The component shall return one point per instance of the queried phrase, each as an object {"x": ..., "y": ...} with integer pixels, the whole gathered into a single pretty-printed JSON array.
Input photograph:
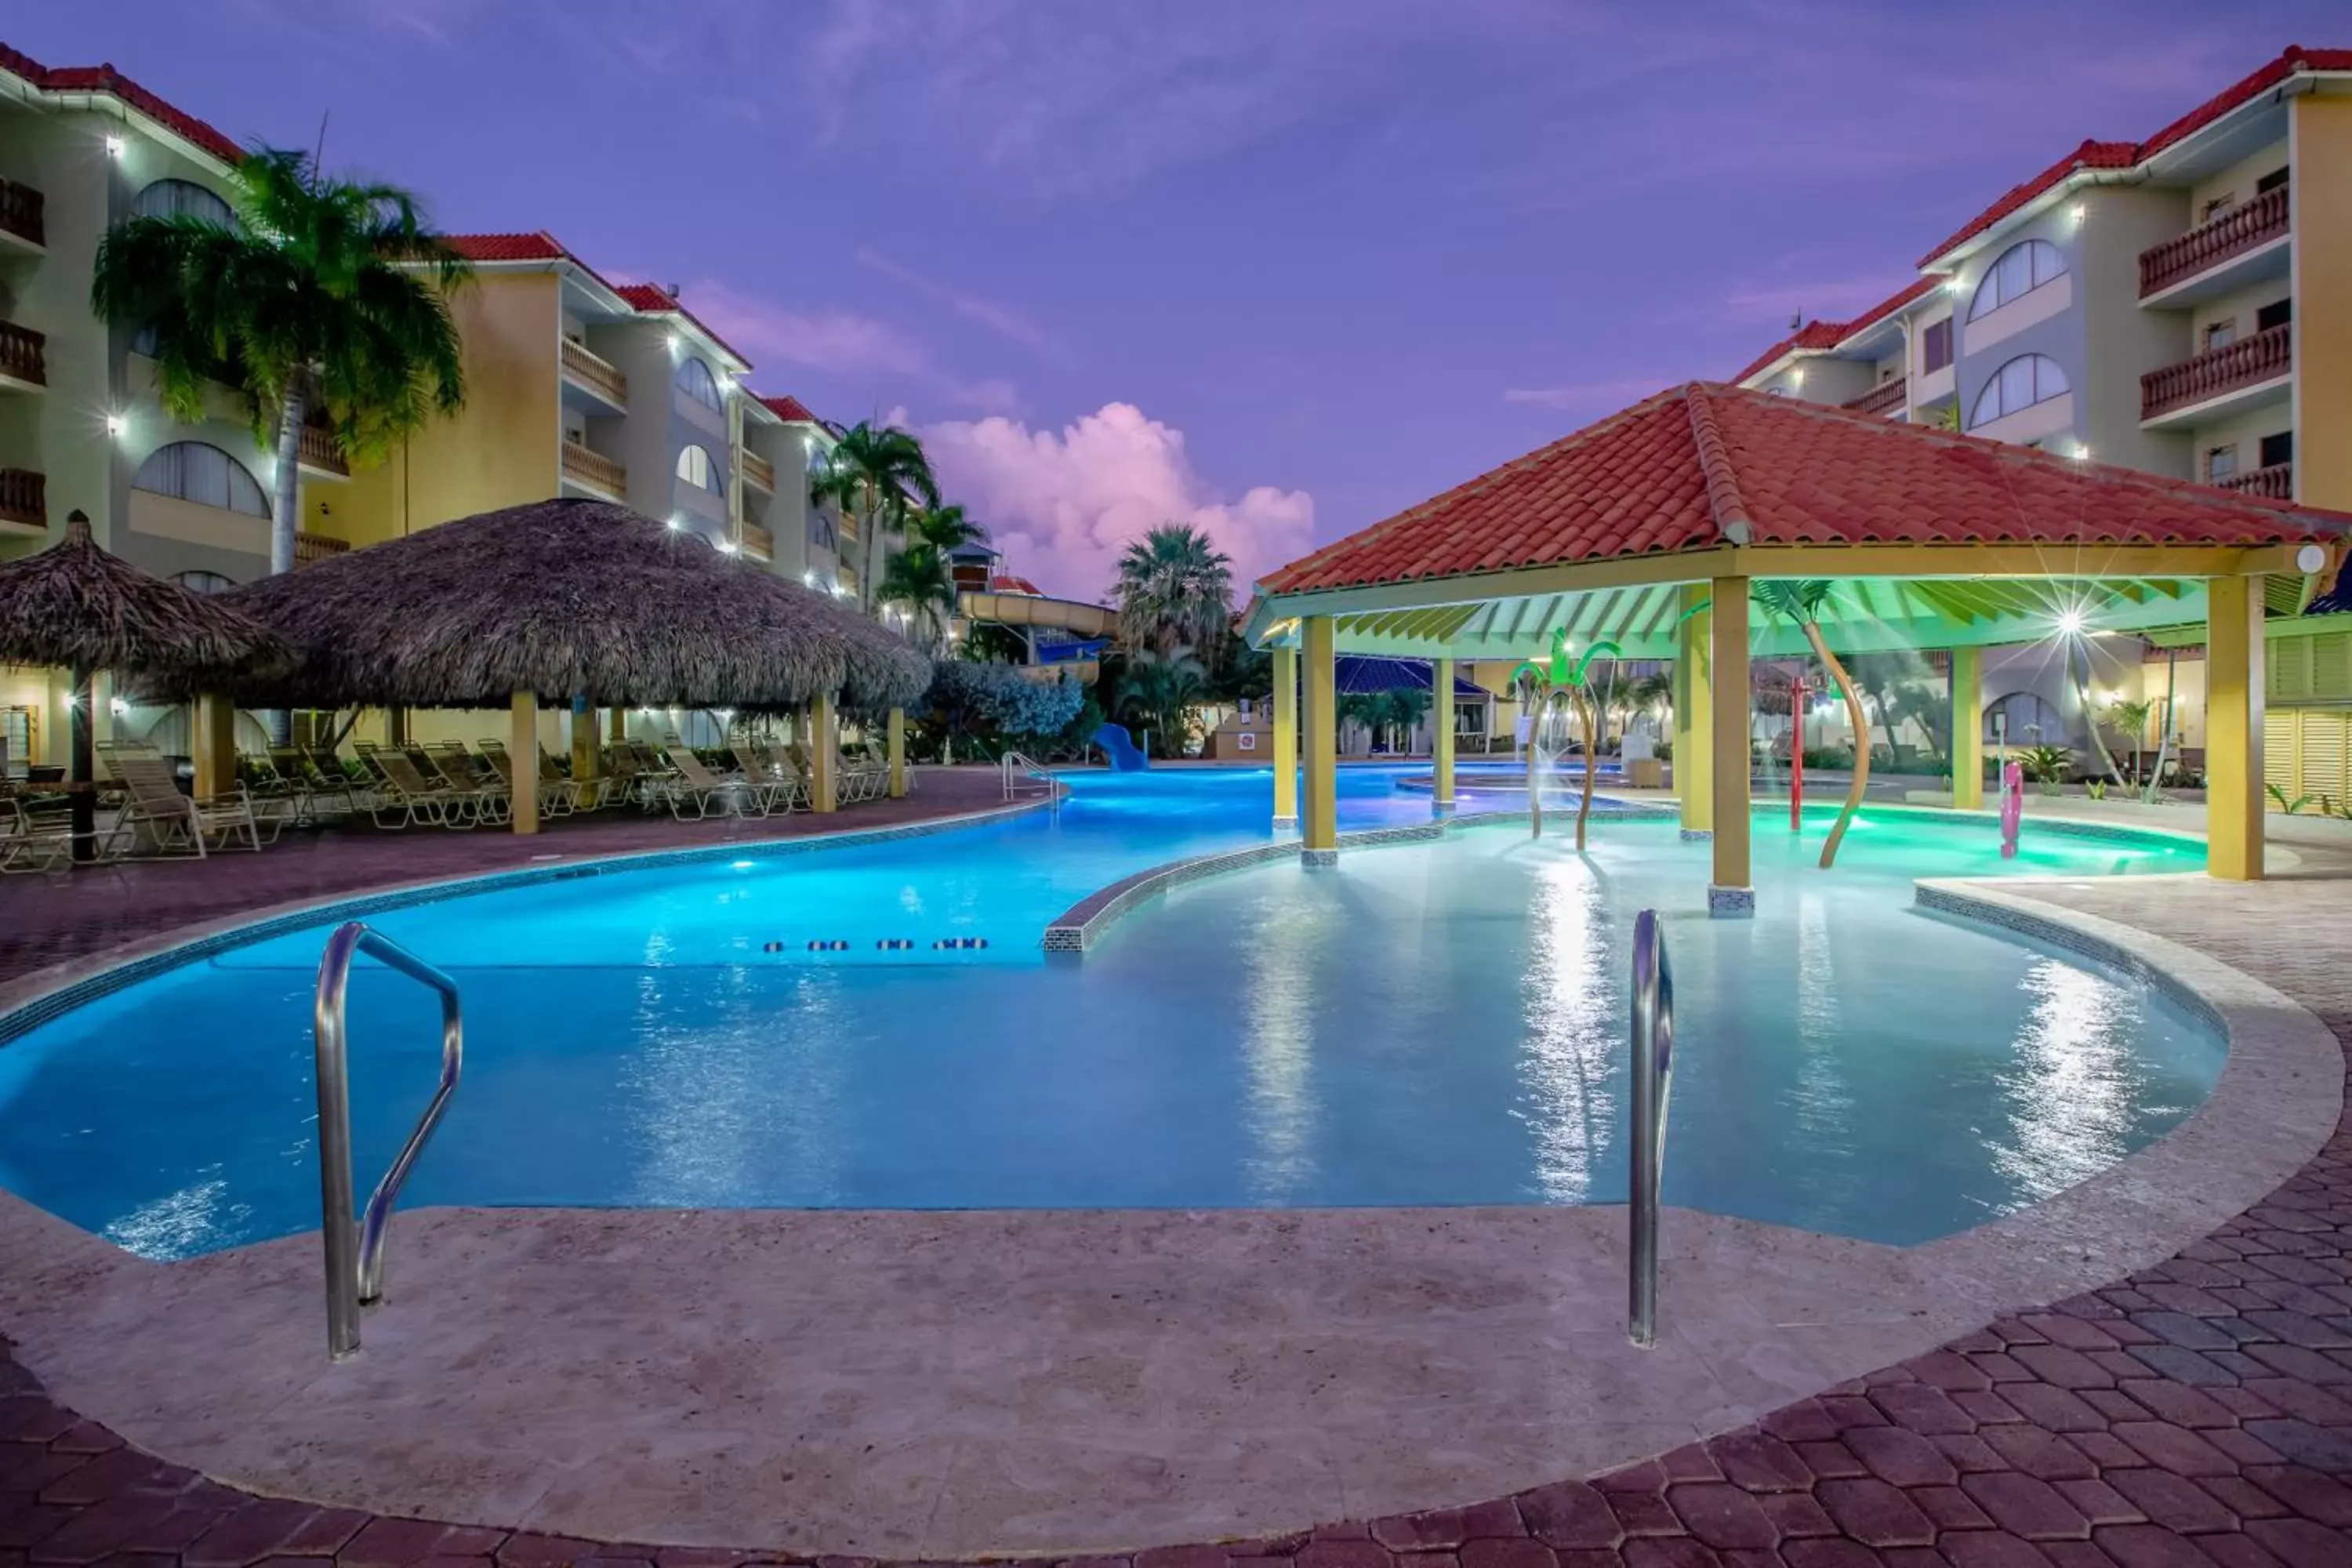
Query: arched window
[
  {"x": 694, "y": 379},
  {"x": 695, "y": 467},
  {"x": 2023, "y": 718},
  {"x": 192, "y": 471},
  {"x": 183, "y": 198},
  {"x": 821, "y": 532},
  {"x": 2022, "y": 267},
  {"x": 205, "y": 581},
  {"x": 2021, "y": 383}
]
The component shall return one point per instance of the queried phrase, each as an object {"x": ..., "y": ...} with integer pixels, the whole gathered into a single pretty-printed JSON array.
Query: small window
[
  {"x": 2278, "y": 450},
  {"x": 2269, "y": 181},
  {"x": 2022, "y": 267},
  {"x": 2220, "y": 463},
  {"x": 1935, "y": 347},
  {"x": 183, "y": 198},
  {"x": 694, "y": 379},
  {"x": 193, "y": 472},
  {"x": 696, "y": 468},
  {"x": 821, "y": 532},
  {"x": 2217, "y": 207},
  {"x": 2273, "y": 315},
  {"x": 205, "y": 581},
  {"x": 2020, "y": 384},
  {"x": 2219, "y": 334}
]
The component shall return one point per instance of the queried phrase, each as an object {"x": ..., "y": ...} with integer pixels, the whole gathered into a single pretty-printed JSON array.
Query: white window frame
[{"x": 1993, "y": 290}]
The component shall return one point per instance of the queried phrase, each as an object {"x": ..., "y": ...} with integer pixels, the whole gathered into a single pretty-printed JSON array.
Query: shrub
[{"x": 998, "y": 703}]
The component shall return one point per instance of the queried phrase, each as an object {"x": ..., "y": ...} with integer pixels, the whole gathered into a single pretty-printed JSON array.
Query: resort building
[{"x": 2180, "y": 305}]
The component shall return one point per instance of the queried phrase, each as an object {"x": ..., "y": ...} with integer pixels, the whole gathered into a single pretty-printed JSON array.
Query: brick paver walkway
[{"x": 2197, "y": 1413}]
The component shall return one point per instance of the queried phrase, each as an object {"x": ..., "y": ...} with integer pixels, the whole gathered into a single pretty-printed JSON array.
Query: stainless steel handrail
[
  {"x": 1021, "y": 771},
  {"x": 355, "y": 1248},
  {"x": 1654, "y": 1077}
]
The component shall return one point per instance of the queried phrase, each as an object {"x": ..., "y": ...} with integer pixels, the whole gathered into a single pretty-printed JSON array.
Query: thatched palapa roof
[
  {"x": 76, "y": 606},
  {"x": 567, "y": 598}
]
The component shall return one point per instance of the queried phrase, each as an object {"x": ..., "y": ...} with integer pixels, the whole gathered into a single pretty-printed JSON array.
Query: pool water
[{"x": 1441, "y": 1023}]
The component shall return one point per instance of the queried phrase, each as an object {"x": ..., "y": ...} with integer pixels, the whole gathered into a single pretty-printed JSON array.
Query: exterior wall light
[
  {"x": 117, "y": 424},
  {"x": 114, "y": 146}
]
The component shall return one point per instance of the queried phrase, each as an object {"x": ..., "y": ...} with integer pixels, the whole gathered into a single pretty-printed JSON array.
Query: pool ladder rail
[
  {"x": 1654, "y": 1077},
  {"x": 354, "y": 1245},
  {"x": 1026, "y": 778}
]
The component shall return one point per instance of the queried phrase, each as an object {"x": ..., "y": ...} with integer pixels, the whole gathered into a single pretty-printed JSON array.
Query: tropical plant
[
  {"x": 322, "y": 300},
  {"x": 997, "y": 704},
  {"x": 1799, "y": 601},
  {"x": 1388, "y": 717},
  {"x": 1568, "y": 680},
  {"x": 1175, "y": 589},
  {"x": 2096, "y": 789},
  {"x": 2046, "y": 765},
  {"x": 1163, "y": 685},
  {"x": 875, "y": 473},
  {"x": 2131, "y": 717},
  {"x": 920, "y": 579},
  {"x": 2291, "y": 807}
]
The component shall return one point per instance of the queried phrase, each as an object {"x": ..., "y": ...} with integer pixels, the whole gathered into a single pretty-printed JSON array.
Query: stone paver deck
[{"x": 2198, "y": 1411}]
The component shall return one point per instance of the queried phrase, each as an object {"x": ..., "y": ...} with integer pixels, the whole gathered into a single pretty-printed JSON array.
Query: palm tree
[
  {"x": 1162, "y": 684},
  {"x": 920, "y": 579},
  {"x": 2131, "y": 716},
  {"x": 1176, "y": 587},
  {"x": 1798, "y": 602},
  {"x": 323, "y": 297},
  {"x": 875, "y": 473}
]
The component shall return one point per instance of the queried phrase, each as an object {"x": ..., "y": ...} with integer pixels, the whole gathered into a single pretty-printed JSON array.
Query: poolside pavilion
[{"x": 1649, "y": 529}]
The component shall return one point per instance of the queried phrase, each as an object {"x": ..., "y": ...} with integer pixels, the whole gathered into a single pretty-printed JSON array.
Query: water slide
[{"x": 1120, "y": 746}]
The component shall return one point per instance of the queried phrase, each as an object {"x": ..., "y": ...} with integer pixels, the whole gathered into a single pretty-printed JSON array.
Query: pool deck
[{"x": 1158, "y": 1378}]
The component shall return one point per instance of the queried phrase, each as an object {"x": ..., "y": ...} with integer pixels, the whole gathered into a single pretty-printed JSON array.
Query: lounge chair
[
  {"x": 556, "y": 797},
  {"x": 173, "y": 824},
  {"x": 697, "y": 787},
  {"x": 405, "y": 797},
  {"x": 474, "y": 780},
  {"x": 771, "y": 762},
  {"x": 32, "y": 841}
]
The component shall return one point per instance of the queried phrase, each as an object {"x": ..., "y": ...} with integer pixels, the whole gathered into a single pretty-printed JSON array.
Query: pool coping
[{"x": 46, "y": 994}]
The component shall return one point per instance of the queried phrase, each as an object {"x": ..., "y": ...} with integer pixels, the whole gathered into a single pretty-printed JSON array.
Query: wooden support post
[
  {"x": 1968, "y": 729},
  {"x": 81, "y": 767},
  {"x": 522, "y": 749},
  {"x": 215, "y": 744},
  {"x": 1731, "y": 894},
  {"x": 2233, "y": 728},
  {"x": 585, "y": 767},
  {"x": 1694, "y": 716},
  {"x": 1320, "y": 842},
  {"x": 824, "y": 756},
  {"x": 1285, "y": 736},
  {"x": 898, "y": 754},
  {"x": 1440, "y": 736}
]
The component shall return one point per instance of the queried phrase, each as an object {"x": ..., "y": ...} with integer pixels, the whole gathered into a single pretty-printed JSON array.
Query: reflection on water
[
  {"x": 2069, "y": 1092},
  {"x": 1279, "y": 1010},
  {"x": 1571, "y": 1003}
]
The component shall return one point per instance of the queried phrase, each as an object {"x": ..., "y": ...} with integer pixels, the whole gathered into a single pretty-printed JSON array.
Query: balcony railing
[
  {"x": 2277, "y": 481},
  {"x": 594, "y": 469},
  {"x": 759, "y": 470},
  {"x": 309, "y": 549},
  {"x": 596, "y": 372},
  {"x": 317, "y": 452},
  {"x": 2249, "y": 361},
  {"x": 759, "y": 543},
  {"x": 20, "y": 213},
  {"x": 24, "y": 354},
  {"x": 2235, "y": 232},
  {"x": 1884, "y": 398},
  {"x": 24, "y": 498}
]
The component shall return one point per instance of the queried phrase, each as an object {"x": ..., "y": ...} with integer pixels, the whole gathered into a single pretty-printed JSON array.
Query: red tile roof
[
  {"x": 540, "y": 246},
  {"x": 791, "y": 409},
  {"x": 1006, "y": 582},
  {"x": 656, "y": 300},
  {"x": 1822, "y": 336},
  {"x": 1676, "y": 471},
  {"x": 105, "y": 78},
  {"x": 2093, "y": 155}
]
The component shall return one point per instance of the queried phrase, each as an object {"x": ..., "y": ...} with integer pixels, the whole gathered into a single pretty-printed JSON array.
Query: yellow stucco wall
[
  {"x": 2322, "y": 140},
  {"x": 499, "y": 450}
]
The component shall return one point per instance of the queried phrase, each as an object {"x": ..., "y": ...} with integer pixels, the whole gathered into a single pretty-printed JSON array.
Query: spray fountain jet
[{"x": 1566, "y": 692}]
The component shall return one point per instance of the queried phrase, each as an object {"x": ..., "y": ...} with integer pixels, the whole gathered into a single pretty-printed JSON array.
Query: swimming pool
[{"x": 1435, "y": 1022}]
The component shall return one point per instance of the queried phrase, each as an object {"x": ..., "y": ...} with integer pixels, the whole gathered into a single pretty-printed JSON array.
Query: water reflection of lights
[
  {"x": 1278, "y": 1049},
  {"x": 1824, "y": 1103},
  {"x": 2070, "y": 1091},
  {"x": 1572, "y": 1009}
]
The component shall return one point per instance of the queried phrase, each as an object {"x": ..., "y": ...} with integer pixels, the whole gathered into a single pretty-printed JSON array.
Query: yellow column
[
  {"x": 396, "y": 727},
  {"x": 898, "y": 754},
  {"x": 2233, "y": 728},
  {"x": 216, "y": 746},
  {"x": 1968, "y": 729},
  {"x": 1731, "y": 894},
  {"x": 824, "y": 756},
  {"x": 522, "y": 746},
  {"x": 1694, "y": 713},
  {"x": 617, "y": 722},
  {"x": 1285, "y": 736},
  {"x": 2320, "y": 218},
  {"x": 1441, "y": 733},
  {"x": 583, "y": 742},
  {"x": 1320, "y": 844}
]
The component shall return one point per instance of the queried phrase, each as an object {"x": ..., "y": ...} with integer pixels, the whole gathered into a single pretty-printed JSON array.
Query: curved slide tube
[{"x": 1120, "y": 748}]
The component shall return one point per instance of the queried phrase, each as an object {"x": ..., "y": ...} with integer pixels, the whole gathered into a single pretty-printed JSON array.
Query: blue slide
[{"x": 1120, "y": 746}]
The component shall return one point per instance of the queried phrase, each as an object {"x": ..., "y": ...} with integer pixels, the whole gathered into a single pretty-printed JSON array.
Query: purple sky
[{"x": 1283, "y": 266}]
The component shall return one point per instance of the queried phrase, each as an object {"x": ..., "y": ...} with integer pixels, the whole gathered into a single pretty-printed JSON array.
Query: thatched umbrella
[{"x": 76, "y": 606}]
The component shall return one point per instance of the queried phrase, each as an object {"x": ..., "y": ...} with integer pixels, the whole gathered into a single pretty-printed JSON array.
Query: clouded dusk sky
[{"x": 1282, "y": 267}]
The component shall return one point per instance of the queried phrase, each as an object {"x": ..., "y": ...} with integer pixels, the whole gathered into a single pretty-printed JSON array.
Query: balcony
[
  {"x": 309, "y": 549},
  {"x": 317, "y": 455},
  {"x": 758, "y": 472},
  {"x": 759, "y": 543},
  {"x": 2277, "y": 482},
  {"x": 21, "y": 227},
  {"x": 2241, "y": 246},
  {"x": 597, "y": 376},
  {"x": 24, "y": 359},
  {"x": 594, "y": 472},
  {"x": 24, "y": 502},
  {"x": 1887, "y": 397},
  {"x": 2251, "y": 371}
]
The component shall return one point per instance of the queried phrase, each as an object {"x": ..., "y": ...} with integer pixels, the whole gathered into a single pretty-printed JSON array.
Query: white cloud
[{"x": 1063, "y": 504}]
